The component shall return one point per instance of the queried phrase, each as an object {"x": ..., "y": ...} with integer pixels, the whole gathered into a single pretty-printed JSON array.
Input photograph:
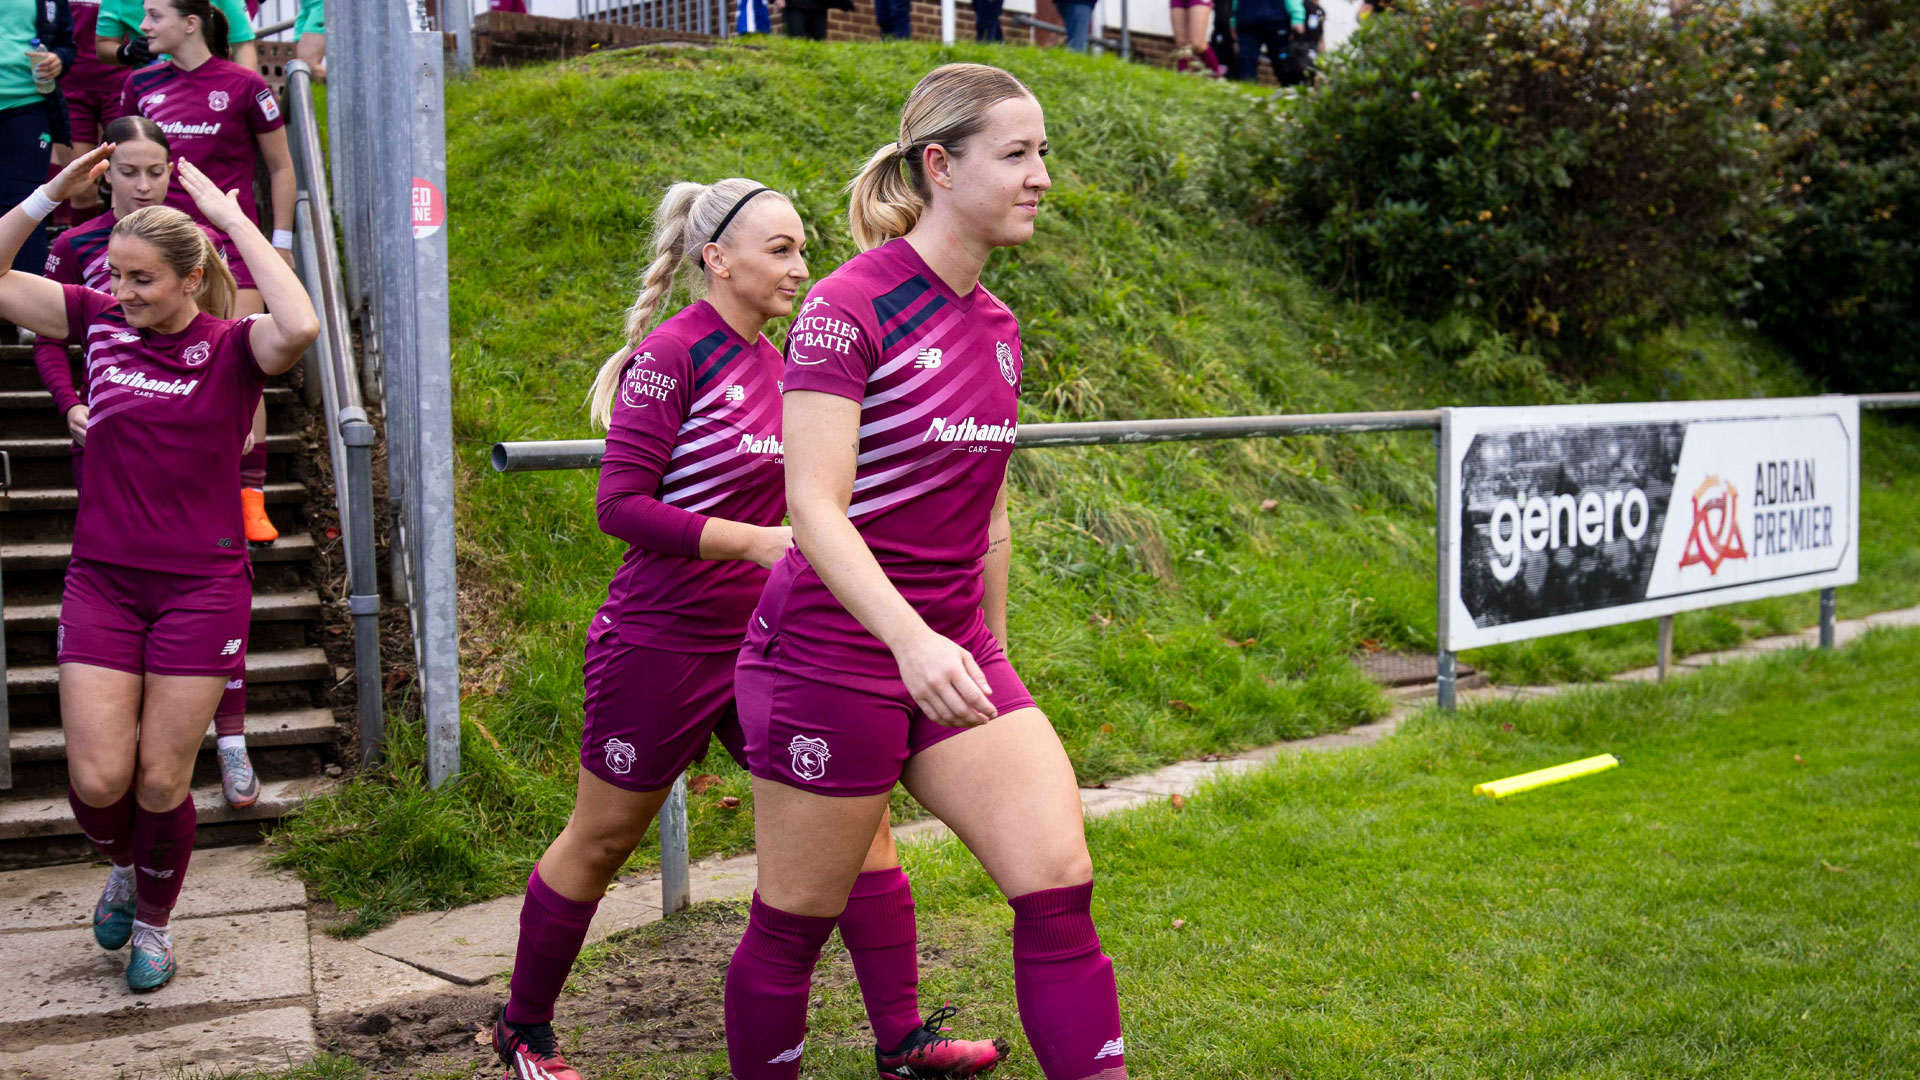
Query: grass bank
[
  {"x": 1733, "y": 901},
  {"x": 1167, "y": 601}
]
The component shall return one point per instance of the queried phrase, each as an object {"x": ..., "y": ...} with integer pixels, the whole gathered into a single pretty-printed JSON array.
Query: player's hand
[
  {"x": 82, "y": 174},
  {"x": 46, "y": 65},
  {"x": 77, "y": 424},
  {"x": 771, "y": 545},
  {"x": 1299, "y": 31},
  {"x": 220, "y": 208},
  {"x": 945, "y": 681},
  {"x": 286, "y": 256},
  {"x": 133, "y": 52}
]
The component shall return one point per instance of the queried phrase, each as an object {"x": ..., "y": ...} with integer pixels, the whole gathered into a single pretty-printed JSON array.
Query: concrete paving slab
[
  {"x": 471, "y": 945},
  {"x": 225, "y": 961},
  {"x": 727, "y": 879},
  {"x": 220, "y": 881},
  {"x": 1180, "y": 778},
  {"x": 264, "y": 1039},
  {"x": 348, "y": 978},
  {"x": 1902, "y": 617},
  {"x": 1099, "y": 802}
]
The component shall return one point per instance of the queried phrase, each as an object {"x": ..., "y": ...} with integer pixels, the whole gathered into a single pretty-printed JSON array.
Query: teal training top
[{"x": 118, "y": 18}]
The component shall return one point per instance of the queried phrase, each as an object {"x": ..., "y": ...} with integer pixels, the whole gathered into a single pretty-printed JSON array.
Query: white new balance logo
[
  {"x": 230, "y": 648},
  {"x": 788, "y": 1055},
  {"x": 928, "y": 359},
  {"x": 736, "y": 392},
  {"x": 1112, "y": 1048}
]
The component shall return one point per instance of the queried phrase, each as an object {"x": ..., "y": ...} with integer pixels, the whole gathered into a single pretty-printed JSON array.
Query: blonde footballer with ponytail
[{"x": 688, "y": 218}]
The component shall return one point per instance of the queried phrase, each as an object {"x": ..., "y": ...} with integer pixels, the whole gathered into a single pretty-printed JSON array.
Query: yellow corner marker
[{"x": 1572, "y": 770}]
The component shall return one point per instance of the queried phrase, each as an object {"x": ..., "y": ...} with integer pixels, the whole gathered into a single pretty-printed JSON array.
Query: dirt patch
[{"x": 652, "y": 990}]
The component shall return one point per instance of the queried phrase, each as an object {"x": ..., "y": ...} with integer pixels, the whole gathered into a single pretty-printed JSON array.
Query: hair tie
[
  {"x": 728, "y": 220},
  {"x": 902, "y": 146}
]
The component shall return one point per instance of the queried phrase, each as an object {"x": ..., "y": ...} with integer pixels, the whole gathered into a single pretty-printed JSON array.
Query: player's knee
[
  {"x": 99, "y": 786},
  {"x": 159, "y": 788},
  {"x": 606, "y": 845}
]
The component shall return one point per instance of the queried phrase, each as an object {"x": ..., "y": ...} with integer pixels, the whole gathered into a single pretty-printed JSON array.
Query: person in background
[
  {"x": 895, "y": 18},
  {"x": 92, "y": 90},
  {"x": 225, "y": 119},
  {"x": 517, "y": 7},
  {"x": 808, "y": 18},
  {"x": 1303, "y": 53},
  {"x": 753, "y": 18},
  {"x": 1191, "y": 50},
  {"x": 36, "y": 48},
  {"x": 138, "y": 176},
  {"x": 1269, "y": 25},
  {"x": 118, "y": 40},
  {"x": 1078, "y": 17},
  {"x": 310, "y": 36},
  {"x": 1222, "y": 37},
  {"x": 986, "y": 20}
]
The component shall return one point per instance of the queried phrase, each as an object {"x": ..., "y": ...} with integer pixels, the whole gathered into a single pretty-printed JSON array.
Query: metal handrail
[
  {"x": 6, "y": 722},
  {"x": 544, "y": 454},
  {"x": 350, "y": 437}
]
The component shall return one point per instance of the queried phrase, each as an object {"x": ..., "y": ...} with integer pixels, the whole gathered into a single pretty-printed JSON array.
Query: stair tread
[
  {"x": 25, "y": 817},
  {"x": 44, "y": 446},
  {"x": 41, "y": 399},
  {"x": 67, "y": 498},
  {"x": 271, "y": 666},
  {"x": 280, "y": 605},
  {"x": 53, "y": 554},
  {"x": 293, "y": 727}
]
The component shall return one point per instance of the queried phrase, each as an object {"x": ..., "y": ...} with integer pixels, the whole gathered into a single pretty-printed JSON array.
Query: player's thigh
[
  {"x": 100, "y": 720},
  {"x": 174, "y": 713},
  {"x": 810, "y": 847},
  {"x": 1007, "y": 790}
]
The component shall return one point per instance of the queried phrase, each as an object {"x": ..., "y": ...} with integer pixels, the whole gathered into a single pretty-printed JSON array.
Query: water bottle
[{"x": 44, "y": 85}]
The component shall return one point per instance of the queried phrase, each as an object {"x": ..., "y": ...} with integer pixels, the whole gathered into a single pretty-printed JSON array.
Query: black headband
[{"x": 728, "y": 220}]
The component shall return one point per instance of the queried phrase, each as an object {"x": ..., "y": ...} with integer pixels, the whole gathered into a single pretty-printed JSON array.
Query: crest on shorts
[
  {"x": 59, "y": 638},
  {"x": 620, "y": 756},
  {"x": 217, "y": 100},
  {"x": 1005, "y": 352},
  {"x": 196, "y": 354},
  {"x": 809, "y": 757}
]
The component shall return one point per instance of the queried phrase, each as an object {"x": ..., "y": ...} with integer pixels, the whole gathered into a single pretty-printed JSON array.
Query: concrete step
[
  {"x": 23, "y": 354},
  {"x": 300, "y": 727},
  {"x": 281, "y": 665},
  {"x": 46, "y": 446},
  {"x": 67, "y": 498},
  {"x": 55, "y": 554},
  {"x": 288, "y": 606},
  {"x": 40, "y": 399},
  {"x": 49, "y": 815}
]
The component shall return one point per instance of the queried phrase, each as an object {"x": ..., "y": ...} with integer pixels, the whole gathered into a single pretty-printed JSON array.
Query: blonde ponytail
[
  {"x": 948, "y": 107},
  {"x": 184, "y": 247},
  {"x": 686, "y": 217}
]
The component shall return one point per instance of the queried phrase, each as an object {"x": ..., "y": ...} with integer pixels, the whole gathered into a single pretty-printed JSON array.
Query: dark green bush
[
  {"x": 1568, "y": 172},
  {"x": 1839, "y": 82}
]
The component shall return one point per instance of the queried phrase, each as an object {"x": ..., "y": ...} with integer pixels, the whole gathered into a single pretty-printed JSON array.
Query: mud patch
[{"x": 655, "y": 989}]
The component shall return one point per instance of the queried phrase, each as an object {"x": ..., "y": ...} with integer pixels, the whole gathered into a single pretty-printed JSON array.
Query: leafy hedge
[
  {"x": 1840, "y": 84},
  {"x": 1568, "y": 171}
]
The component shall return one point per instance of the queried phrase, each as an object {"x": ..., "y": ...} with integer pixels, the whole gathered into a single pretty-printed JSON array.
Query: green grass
[
  {"x": 1734, "y": 901},
  {"x": 1168, "y": 601}
]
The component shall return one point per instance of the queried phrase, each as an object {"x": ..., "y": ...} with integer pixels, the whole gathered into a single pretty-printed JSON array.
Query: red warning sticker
[{"x": 429, "y": 209}]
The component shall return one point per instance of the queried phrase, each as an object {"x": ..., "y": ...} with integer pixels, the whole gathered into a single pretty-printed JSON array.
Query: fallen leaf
[
  {"x": 488, "y": 735},
  {"x": 1836, "y": 868},
  {"x": 1099, "y": 621},
  {"x": 729, "y": 802},
  {"x": 1106, "y": 729},
  {"x": 395, "y": 678},
  {"x": 483, "y": 1035},
  {"x": 1267, "y": 505},
  {"x": 1101, "y": 786},
  {"x": 1508, "y": 726},
  {"x": 1181, "y": 705},
  {"x": 1178, "y": 923},
  {"x": 1371, "y": 645},
  {"x": 1798, "y": 760},
  {"x": 702, "y": 784},
  {"x": 1179, "y": 801}
]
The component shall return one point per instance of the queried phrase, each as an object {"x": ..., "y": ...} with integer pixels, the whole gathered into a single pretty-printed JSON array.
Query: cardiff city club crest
[
  {"x": 620, "y": 756},
  {"x": 1005, "y": 352},
  {"x": 809, "y": 757},
  {"x": 196, "y": 354},
  {"x": 217, "y": 100},
  {"x": 1716, "y": 526}
]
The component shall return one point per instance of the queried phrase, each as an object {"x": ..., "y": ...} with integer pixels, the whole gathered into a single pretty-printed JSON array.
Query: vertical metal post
[
  {"x": 457, "y": 17},
  {"x": 1829, "y": 604},
  {"x": 1444, "y": 681},
  {"x": 1126, "y": 30},
  {"x": 946, "y": 22},
  {"x": 676, "y": 871},
  {"x": 363, "y": 593},
  {"x": 432, "y": 512},
  {"x": 1666, "y": 646}
]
